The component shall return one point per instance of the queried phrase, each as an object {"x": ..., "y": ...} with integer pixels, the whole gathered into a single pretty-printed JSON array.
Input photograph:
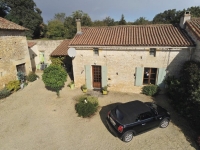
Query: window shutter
[
  {"x": 104, "y": 76},
  {"x": 161, "y": 77},
  {"x": 139, "y": 76},
  {"x": 88, "y": 76}
]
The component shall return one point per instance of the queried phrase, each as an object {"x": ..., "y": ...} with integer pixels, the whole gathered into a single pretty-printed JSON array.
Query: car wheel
[
  {"x": 164, "y": 123},
  {"x": 128, "y": 136}
]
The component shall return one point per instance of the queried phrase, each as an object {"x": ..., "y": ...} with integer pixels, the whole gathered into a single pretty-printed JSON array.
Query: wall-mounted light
[
  {"x": 141, "y": 57},
  {"x": 82, "y": 71},
  {"x": 116, "y": 73}
]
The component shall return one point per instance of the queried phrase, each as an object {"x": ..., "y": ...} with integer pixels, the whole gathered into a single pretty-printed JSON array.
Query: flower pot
[
  {"x": 105, "y": 92},
  {"x": 71, "y": 86},
  {"x": 84, "y": 90}
]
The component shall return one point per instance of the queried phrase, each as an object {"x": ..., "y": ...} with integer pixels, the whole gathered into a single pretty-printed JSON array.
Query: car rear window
[{"x": 119, "y": 114}]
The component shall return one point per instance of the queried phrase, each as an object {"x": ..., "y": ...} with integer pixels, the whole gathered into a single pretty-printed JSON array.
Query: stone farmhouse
[
  {"x": 127, "y": 57},
  {"x": 14, "y": 55}
]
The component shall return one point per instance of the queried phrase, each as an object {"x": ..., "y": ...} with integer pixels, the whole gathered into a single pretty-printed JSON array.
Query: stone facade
[
  {"x": 45, "y": 47},
  {"x": 13, "y": 52},
  {"x": 121, "y": 63}
]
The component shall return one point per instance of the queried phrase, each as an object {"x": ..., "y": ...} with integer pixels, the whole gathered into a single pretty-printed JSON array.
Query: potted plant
[
  {"x": 84, "y": 88},
  {"x": 71, "y": 85},
  {"x": 105, "y": 90}
]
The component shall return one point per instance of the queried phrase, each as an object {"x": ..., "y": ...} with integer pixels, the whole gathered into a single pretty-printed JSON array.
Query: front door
[{"x": 96, "y": 74}]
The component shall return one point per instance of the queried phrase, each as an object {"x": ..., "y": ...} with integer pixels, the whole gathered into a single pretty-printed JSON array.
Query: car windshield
[
  {"x": 153, "y": 107},
  {"x": 119, "y": 114}
]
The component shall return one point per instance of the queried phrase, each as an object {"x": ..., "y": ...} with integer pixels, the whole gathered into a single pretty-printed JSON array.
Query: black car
[{"x": 135, "y": 117}]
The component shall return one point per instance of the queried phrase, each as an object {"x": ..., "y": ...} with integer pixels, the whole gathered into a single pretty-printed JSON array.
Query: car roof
[{"x": 131, "y": 110}]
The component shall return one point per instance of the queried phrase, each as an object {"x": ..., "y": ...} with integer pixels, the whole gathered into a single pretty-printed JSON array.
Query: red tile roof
[
  {"x": 8, "y": 25},
  {"x": 133, "y": 35},
  {"x": 31, "y": 44},
  {"x": 62, "y": 49},
  {"x": 194, "y": 25}
]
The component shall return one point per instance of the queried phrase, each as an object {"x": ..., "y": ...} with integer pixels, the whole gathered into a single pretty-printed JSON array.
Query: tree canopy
[
  {"x": 122, "y": 20},
  {"x": 24, "y": 13}
]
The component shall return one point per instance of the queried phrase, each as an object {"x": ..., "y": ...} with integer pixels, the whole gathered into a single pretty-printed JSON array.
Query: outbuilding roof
[
  {"x": 62, "y": 49},
  {"x": 8, "y": 25},
  {"x": 194, "y": 25},
  {"x": 133, "y": 35}
]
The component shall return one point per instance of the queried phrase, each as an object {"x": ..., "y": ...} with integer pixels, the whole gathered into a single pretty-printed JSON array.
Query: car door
[{"x": 145, "y": 121}]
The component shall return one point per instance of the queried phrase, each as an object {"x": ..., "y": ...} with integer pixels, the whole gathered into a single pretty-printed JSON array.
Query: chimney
[
  {"x": 186, "y": 17},
  {"x": 78, "y": 25}
]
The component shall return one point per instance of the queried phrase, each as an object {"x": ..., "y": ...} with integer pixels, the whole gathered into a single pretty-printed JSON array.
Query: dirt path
[{"x": 35, "y": 119}]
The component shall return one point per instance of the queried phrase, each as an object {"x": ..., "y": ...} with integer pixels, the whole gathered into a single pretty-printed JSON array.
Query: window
[
  {"x": 150, "y": 75},
  {"x": 152, "y": 52},
  {"x": 21, "y": 68},
  {"x": 145, "y": 115},
  {"x": 96, "y": 52}
]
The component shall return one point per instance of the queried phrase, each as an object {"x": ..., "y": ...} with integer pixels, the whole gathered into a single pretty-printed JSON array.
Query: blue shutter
[
  {"x": 139, "y": 76},
  {"x": 103, "y": 76},
  {"x": 161, "y": 77},
  {"x": 88, "y": 76}
]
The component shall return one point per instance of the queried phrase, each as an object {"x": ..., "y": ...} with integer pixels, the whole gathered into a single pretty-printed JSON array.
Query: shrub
[
  {"x": 105, "y": 88},
  {"x": 13, "y": 85},
  {"x": 54, "y": 78},
  {"x": 86, "y": 106},
  {"x": 83, "y": 87},
  {"x": 32, "y": 77},
  {"x": 150, "y": 90},
  {"x": 21, "y": 76},
  {"x": 4, "y": 93}
]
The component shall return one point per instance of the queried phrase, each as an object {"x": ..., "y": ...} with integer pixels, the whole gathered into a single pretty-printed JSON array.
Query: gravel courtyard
[{"x": 35, "y": 119}]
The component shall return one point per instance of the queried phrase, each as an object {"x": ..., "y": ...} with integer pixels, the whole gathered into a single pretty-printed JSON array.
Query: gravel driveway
[{"x": 35, "y": 119}]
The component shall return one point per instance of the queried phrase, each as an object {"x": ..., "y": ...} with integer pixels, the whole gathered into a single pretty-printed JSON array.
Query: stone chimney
[
  {"x": 78, "y": 25},
  {"x": 186, "y": 17}
]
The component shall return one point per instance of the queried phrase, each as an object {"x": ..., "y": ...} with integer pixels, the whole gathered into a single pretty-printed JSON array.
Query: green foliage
[
  {"x": 86, "y": 106},
  {"x": 13, "y": 85},
  {"x": 122, "y": 20},
  {"x": 4, "y": 93},
  {"x": 31, "y": 77},
  {"x": 24, "y": 13},
  {"x": 105, "y": 88},
  {"x": 108, "y": 21},
  {"x": 57, "y": 60},
  {"x": 83, "y": 86},
  {"x": 21, "y": 76},
  {"x": 185, "y": 92},
  {"x": 150, "y": 90},
  {"x": 54, "y": 77},
  {"x": 142, "y": 21},
  {"x": 55, "y": 29}
]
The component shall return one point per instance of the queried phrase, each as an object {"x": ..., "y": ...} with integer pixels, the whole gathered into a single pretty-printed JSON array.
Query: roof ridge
[{"x": 6, "y": 24}]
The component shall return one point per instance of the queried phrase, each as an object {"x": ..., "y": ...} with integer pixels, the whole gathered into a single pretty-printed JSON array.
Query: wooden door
[{"x": 96, "y": 74}]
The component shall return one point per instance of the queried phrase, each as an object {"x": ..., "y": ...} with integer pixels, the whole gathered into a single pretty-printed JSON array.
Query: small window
[
  {"x": 150, "y": 75},
  {"x": 145, "y": 115},
  {"x": 152, "y": 52},
  {"x": 96, "y": 52}
]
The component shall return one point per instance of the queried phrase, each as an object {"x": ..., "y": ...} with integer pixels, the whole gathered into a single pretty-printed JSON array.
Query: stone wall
[
  {"x": 13, "y": 51},
  {"x": 196, "y": 53},
  {"x": 45, "y": 46},
  {"x": 121, "y": 64}
]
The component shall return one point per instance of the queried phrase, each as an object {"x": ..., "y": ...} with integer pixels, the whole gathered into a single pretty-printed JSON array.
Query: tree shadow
[
  {"x": 177, "y": 119},
  {"x": 104, "y": 112}
]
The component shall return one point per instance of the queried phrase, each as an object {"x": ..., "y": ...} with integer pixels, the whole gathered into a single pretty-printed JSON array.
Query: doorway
[{"x": 96, "y": 74}]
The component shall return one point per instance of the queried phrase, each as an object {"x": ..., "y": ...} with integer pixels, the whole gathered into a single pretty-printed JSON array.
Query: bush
[
  {"x": 13, "y": 85},
  {"x": 83, "y": 87},
  {"x": 86, "y": 106},
  {"x": 31, "y": 77},
  {"x": 105, "y": 88},
  {"x": 20, "y": 76},
  {"x": 4, "y": 93},
  {"x": 150, "y": 90}
]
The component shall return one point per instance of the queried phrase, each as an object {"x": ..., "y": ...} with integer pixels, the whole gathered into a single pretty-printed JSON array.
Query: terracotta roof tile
[
  {"x": 133, "y": 35},
  {"x": 194, "y": 25},
  {"x": 62, "y": 49},
  {"x": 8, "y": 25},
  {"x": 31, "y": 44}
]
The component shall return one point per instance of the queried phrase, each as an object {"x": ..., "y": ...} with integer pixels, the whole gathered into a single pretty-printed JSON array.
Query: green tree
[
  {"x": 54, "y": 78},
  {"x": 70, "y": 22},
  {"x": 108, "y": 21},
  {"x": 141, "y": 21},
  {"x": 97, "y": 23},
  {"x": 60, "y": 17},
  {"x": 55, "y": 30},
  {"x": 24, "y": 13},
  {"x": 195, "y": 11},
  {"x": 122, "y": 20}
]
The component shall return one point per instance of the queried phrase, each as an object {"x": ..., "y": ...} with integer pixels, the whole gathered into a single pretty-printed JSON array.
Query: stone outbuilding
[
  {"x": 127, "y": 57},
  {"x": 14, "y": 54}
]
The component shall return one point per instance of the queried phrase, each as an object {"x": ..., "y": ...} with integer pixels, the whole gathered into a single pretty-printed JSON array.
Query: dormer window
[
  {"x": 152, "y": 52},
  {"x": 96, "y": 52}
]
